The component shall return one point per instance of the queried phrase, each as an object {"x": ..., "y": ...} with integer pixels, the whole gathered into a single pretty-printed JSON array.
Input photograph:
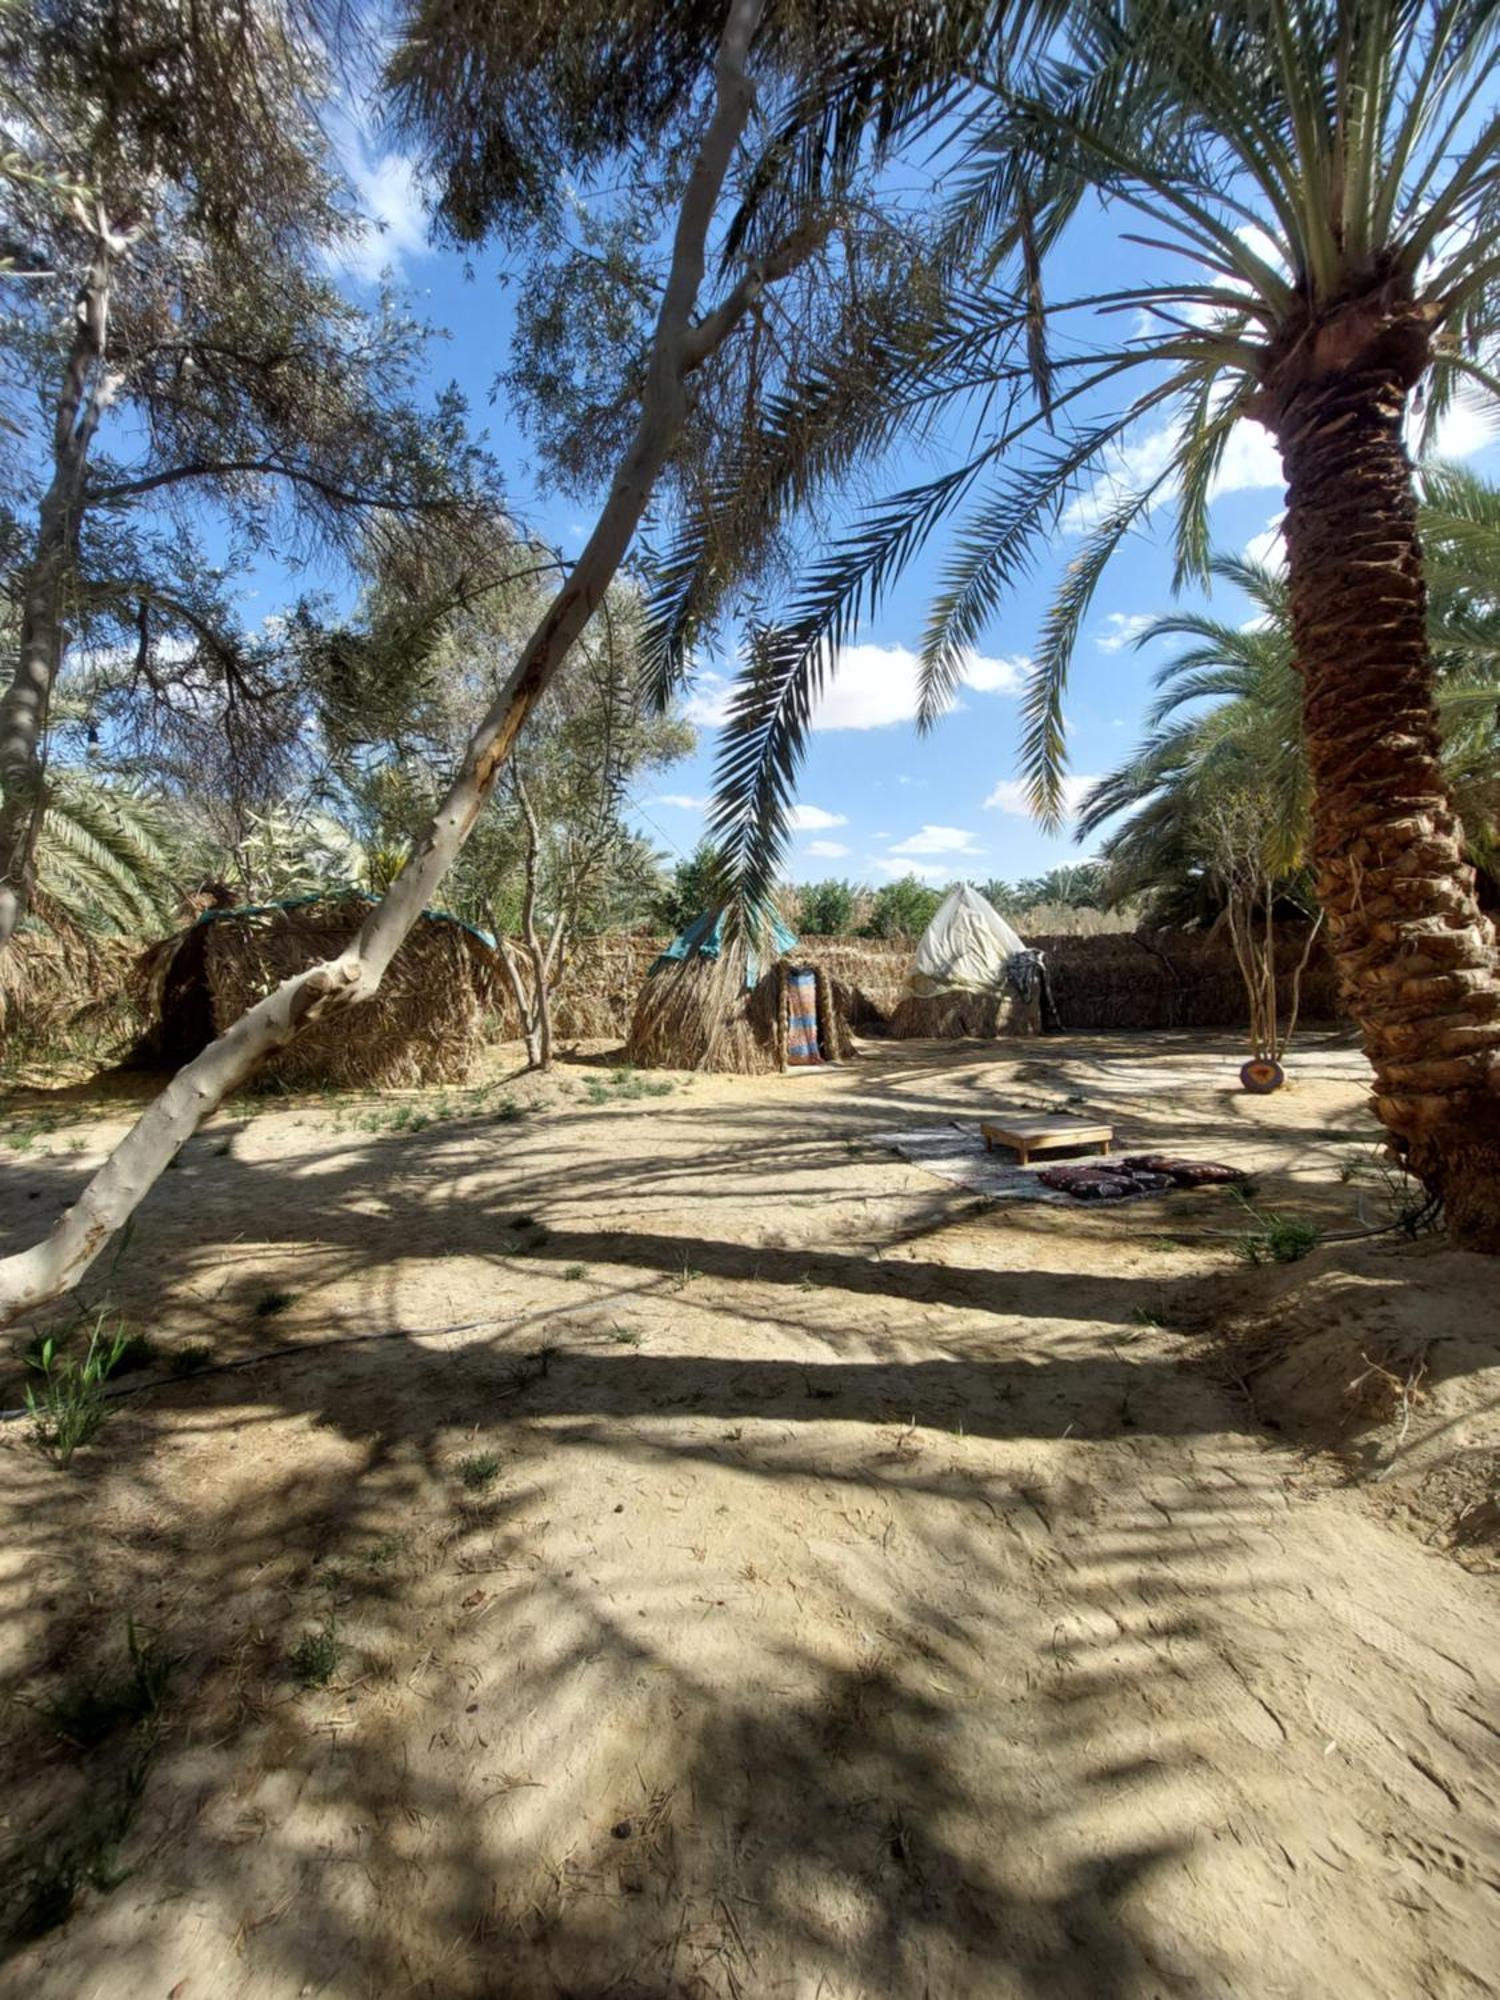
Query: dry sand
[{"x": 873, "y": 1598}]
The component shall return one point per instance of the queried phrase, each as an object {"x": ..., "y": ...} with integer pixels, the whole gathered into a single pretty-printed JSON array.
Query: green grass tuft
[{"x": 479, "y": 1470}]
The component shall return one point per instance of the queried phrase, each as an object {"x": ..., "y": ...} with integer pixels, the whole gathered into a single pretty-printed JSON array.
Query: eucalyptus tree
[
  {"x": 515, "y": 105},
  {"x": 171, "y": 314},
  {"x": 1311, "y": 190}
]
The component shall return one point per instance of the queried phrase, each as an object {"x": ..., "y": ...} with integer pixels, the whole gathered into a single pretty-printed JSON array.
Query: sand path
[{"x": 869, "y": 1602}]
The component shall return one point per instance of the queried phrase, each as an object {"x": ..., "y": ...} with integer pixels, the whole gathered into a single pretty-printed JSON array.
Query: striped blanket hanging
[{"x": 802, "y": 1020}]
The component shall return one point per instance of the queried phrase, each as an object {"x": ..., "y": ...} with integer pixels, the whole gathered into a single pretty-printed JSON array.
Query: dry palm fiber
[
  {"x": 950, "y": 1016},
  {"x": 64, "y": 979},
  {"x": 1174, "y": 979},
  {"x": 867, "y": 974},
  {"x": 698, "y": 1013},
  {"x": 425, "y": 1025}
]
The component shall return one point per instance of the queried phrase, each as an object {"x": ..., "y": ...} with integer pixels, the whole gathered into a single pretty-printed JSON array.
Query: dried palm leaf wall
[
  {"x": 698, "y": 1013},
  {"x": 427, "y": 1024}
]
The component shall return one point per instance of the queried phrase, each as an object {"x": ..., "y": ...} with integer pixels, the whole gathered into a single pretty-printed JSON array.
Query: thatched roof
[
  {"x": 424, "y": 1026},
  {"x": 714, "y": 1003}
]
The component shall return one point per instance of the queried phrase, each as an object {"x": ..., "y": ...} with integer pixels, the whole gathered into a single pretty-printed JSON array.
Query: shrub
[
  {"x": 826, "y": 909},
  {"x": 72, "y": 1403},
  {"x": 902, "y": 909}
]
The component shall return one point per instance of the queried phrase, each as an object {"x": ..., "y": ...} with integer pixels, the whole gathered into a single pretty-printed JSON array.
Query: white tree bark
[{"x": 680, "y": 345}]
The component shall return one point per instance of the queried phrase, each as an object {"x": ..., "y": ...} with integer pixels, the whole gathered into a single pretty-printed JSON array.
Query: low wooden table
[{"x": 1032, "y": 1132}]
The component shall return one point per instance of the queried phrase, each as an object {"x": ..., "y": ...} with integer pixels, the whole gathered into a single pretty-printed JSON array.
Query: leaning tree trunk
[
  {"x": 680, "y": 346},
  {"x": 1415, "y": 954}
]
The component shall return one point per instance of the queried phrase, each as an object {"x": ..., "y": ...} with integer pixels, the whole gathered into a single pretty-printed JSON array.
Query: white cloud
[
  {"x": 683, "y": 799},
  {"x": 1122, "y": 629},
  {"x": 812, "y": 819},
  {"x": 708, "y": 704},
  {"x": 937, "y": 840},
  {"x": 873, "y": 686},
  {"x": 393, "y": 211},
  {"x": 828, "y": 850},
  {"x": 925, "y": 871},
  {"x": 1250, "y": 462},
  {"x": 992, "y": 676},
  {"x": 1009, "y": 796}
]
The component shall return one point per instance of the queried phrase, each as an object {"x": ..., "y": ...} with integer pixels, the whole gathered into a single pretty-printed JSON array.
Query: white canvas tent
[{"x": 965, "y": 949}]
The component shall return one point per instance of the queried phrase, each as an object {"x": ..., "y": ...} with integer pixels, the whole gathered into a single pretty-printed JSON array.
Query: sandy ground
[{"x": 877, "y": 1595}]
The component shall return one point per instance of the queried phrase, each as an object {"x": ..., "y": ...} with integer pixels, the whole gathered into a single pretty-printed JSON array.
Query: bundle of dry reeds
[
  {"x": 426, "y": 1025},
  {"x": 955, "y": 1015},
  {"x": 67, "y": 982},
  {"x": 1174, "y": 979},
  {"x": 698, "y": 1013}
]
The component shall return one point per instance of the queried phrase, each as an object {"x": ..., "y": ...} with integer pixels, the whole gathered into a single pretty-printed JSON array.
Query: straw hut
[
  {"x": 963, "y": 976},
  {"x": 424, "y": 1026},
  {"x": 714, "y": 1002}
]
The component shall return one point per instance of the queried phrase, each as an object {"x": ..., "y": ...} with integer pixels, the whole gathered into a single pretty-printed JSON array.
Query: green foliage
[
  {"x": 190, "y": 1359},
  {"x": 314, "y": 1660},
  {"x": 71, "y": 1405},
  {"x": 625, "y": 1084},
  {"x": 902, "y": 909},
  {"x": 271, "y": 1304},
  {"x": 107, "y": 856},
  {"x": 1278, "y": 1239},
  {"x": 695, "y": 887},
  {"x": 826, "y": 909},
  {"x": 1285, "y": 167},
  {"x": 92, "y": 1707},
  {"x": 480, "y": 1469}
]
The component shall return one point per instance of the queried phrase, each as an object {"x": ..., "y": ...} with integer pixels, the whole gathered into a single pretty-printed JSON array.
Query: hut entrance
[{"x": 803, "y": 1047}]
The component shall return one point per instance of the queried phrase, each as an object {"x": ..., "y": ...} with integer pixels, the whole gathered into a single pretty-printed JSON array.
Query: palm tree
[
  {"x": 1248, "y": 740},
  {"x": 105, "y": 858},
  {"x": 1321, "y": 182}
]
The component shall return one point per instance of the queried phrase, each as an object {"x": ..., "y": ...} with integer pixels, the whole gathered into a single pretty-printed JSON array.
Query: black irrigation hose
[{"x": 119, "y": 1389}]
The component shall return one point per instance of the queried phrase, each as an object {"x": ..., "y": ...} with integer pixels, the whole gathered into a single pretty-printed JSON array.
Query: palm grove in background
[
  {"x": 745, "y": 133},
  {"x": 1321, "y": 178},
  {"x": 1316, "y": 187}
]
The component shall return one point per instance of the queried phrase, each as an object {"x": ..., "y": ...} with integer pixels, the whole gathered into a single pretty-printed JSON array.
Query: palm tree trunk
[{"x": 1415, "y": 954}]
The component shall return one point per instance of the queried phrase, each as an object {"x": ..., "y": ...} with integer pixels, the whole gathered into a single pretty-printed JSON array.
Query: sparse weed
[
  {"x": 314, "y": 1660},
  {"x": 72, "y": 1404},
  {"x": 188, "y": 1360},
  {"x": 507, "y": 1111},
  {"x": 680, "y": 1280},
  {"x": 479, "y": 1469},
  {"x": 624, "y": 1336},
  {"x": 139, "y": 1351},
  {"x": 625, "y": 1083},
  {"x": 92, "y": 1708},
  {"x": 114, "y": 1722},
  {"x": 389, "y": 1549},
  {"x": 1148, "y": 1316},
  {"x": 573, "y": 1272},
  {"x": 1278, "y": 1239},
  {"x": 270, "y": 1304}
]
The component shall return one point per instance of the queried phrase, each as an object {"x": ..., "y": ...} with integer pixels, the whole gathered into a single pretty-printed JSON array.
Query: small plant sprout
[
  {"x": 272, "y": 1303},
  {"x": 479, "y": 1469},
  {"x": 71, "y": 1404},
  {"x": 573, "y": 1272},
  {"x": 1278, "y": 1239},
  {"x": 188, "y": 1360},
  {"x": 314, "y": 1660}
]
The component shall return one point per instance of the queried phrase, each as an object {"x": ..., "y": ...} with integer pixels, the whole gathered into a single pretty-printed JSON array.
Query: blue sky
[{"x": 876, "y": 800}]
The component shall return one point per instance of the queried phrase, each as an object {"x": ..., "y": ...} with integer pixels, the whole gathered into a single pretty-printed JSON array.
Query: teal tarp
[{"x": 704, "y": 938}]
